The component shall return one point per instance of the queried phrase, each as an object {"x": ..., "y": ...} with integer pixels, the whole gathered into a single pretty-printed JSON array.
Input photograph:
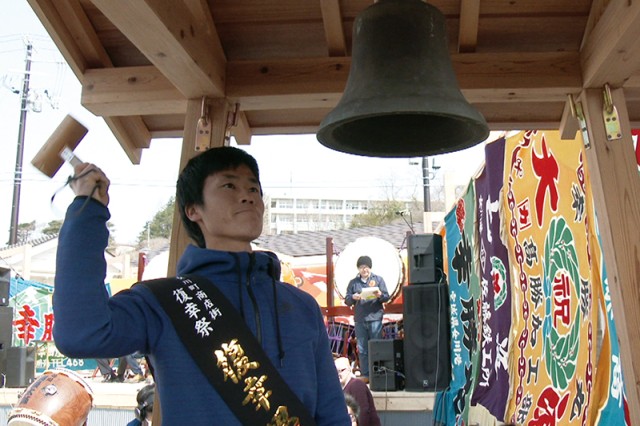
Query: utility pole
[
  {"x": 426, "y": 177},
  {"x": 428, "y": 174},
  {"x": 17, "y": 179}
]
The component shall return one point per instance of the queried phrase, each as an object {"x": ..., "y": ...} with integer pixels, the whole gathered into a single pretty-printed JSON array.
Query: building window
[
  {"x": 284, "y": 203},
  {"x": 334, "y": 205},
  {"x": 284, "y": 218}
]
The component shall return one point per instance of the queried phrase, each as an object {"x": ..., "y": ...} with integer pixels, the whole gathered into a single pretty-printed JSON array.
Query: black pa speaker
[
  {"x": 6, "y": 326},
  {"x": 386, "y": 365},
  {"x": 20, "y": 366},
  {"x": 427, "y": 364},
  {"x": 5, "y": 281},
  {"x": 425, "y": 258}
]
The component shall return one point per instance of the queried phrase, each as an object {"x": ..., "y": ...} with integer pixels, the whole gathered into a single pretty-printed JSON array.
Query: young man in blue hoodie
[{"x": 220, "y": 200}]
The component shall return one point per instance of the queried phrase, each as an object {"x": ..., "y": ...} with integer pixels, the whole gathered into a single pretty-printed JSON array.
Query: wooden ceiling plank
[
  {"x": 130, "y": 91},
  {"x": 611, "y": 53},
  {"x": 333, "y": 29},
  {"x": 468, "y": 31},
  {"x": 173, "y": 40}
]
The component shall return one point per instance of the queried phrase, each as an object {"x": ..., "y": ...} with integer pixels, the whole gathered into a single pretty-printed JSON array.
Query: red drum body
[
  {"x": 386, "y": 260},
  {"x": 56, "y": 398}
]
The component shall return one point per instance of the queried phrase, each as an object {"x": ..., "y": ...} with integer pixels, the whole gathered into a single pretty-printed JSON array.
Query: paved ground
[{"x": 119, "y": 395}]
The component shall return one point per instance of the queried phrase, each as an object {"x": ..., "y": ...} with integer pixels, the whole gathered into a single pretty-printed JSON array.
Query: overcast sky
[{"x": 295, "y": 165}]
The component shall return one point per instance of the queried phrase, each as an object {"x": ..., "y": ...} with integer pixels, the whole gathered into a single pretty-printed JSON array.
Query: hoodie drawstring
[
  {"x": 252, "y": 296},
  {"x": 271, "y": 271},
  {"x": 239, "y": 286}
]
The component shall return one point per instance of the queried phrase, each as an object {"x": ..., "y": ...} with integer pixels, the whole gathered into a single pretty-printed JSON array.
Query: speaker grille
[
  {"x": 426, "y": 337},
  {"x": 425, "y": 258}
]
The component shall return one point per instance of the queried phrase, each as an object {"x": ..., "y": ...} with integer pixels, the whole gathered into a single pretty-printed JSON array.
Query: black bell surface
[{"x": 402, "y": 97}]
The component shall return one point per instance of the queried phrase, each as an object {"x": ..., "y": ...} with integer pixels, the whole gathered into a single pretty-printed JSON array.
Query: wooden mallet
[{"x": 59, "y": 147}]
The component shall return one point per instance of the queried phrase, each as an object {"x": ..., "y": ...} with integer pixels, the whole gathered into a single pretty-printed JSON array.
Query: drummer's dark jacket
[{"x": 367, "y": 310}]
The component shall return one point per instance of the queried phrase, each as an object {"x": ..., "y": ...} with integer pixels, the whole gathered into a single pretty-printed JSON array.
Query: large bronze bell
[{"x": 402, "y": 97}]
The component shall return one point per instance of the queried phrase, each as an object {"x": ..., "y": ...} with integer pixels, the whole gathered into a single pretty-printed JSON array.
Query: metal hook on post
[
  {"x": 610, "y": 115},
  {"x": 578, "y": 113},
  {"x": 203, "y": 128}
]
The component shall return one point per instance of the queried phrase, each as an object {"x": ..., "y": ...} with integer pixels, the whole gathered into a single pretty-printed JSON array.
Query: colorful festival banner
[
  {"x": 555, "y": 308},
  {"x": 33, "y": 325},
  {"x": 492, "y": 389},
  {"x": 452, "y": 406},
  {"x": 32, "y": 312},
  {"x": 609, "y": 388}
]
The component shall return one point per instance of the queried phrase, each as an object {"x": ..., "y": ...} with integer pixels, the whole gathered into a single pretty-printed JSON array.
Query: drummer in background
[
  {"x": 367, "y": 291},
  {"x": 144, "y": 410}
]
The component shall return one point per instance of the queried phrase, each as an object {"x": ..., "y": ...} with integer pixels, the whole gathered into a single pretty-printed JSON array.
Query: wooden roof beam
[
  {"x": 176, "y": 42},
  {"x": 333, "y": 29},
  {"x": 483, "y": 77},
  {"x": 319, "y": 82},
  {"x": 611, "y": 52},
  {"x": 200, "y": 10},
  {"x": 596, "y": 11},
  {"x": 71, "y": 38},
  {"x": 132, "y": 134},
  {"x": 468, "y": 31},
  {"x": 130, "y": 91},
  {"x": 79, "y": 44}
]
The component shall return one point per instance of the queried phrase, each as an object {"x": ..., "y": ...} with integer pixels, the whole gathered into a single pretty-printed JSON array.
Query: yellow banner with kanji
[{"x": 548, "y": 225}]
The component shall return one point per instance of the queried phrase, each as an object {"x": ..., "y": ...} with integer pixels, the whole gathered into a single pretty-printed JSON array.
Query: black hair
[
  {"x": 198, "y": 169},
  {"x": 145, "y": 399},
  {"x": 353, "y": 404}
]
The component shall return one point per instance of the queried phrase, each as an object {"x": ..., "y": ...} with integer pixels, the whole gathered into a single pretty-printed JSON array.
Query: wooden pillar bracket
[
  {"x": 578, "y": 113},
  {"x": 232, "y": 121},
  {"x": 610, "y": 116},
  {"x": 203, "y": 128}
]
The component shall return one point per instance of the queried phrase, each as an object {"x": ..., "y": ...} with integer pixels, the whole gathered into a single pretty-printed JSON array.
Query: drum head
[
  {"x": 57, "y": 397},
  {"x": 384, "y": 256}
]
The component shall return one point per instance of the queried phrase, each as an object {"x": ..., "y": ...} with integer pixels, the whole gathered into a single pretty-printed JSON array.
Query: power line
[{"x": 29, "y": 99}]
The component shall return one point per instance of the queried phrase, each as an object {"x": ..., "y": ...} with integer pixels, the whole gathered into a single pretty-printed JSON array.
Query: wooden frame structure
[{"x": 151, "y": 67}]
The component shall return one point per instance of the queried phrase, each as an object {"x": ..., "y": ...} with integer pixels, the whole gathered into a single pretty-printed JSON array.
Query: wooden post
[
  {"x": 616, "y": 190},
  {"x": 330, "y": 277},
  {"x": 218, "y": 110}
]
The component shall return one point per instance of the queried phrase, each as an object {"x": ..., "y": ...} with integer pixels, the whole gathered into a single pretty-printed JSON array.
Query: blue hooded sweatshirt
[{"x": 90, "y": 324}]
